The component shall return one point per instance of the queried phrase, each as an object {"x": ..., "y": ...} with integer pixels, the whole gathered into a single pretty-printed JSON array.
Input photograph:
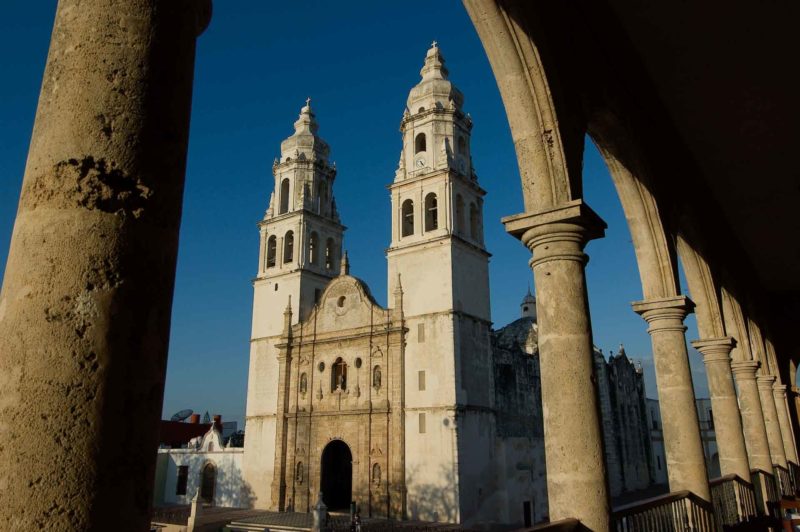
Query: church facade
[{"x": 419, "y": 410}]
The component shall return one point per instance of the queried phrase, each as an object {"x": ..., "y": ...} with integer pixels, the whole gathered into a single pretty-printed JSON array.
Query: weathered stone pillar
[
  {"x": 86, "y": 300},
  {"x": 755, "y": 431},
  {"x": 576, "y": 475},
  {"x": 683, "y": 445},
  {"x": 779, "y": 393},
  {"x": 774, "y": 436},
  {"x": 727, "y": 419}
]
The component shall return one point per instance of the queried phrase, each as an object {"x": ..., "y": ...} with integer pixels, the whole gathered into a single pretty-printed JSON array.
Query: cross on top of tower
[
  {"x": 308, "y": 101},
  {"x": 434, "y": 44}
]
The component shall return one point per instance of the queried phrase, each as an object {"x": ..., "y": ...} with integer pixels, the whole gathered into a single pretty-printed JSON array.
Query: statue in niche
[{"x": 376, "y": 377}]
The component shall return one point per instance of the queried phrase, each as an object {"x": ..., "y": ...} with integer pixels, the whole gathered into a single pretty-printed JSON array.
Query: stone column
[
  {"x": 576, "y": 474},
  {"x": 774, "y": 436},
  {"x": 755, "y": 431},
  {"x": 779, "y": 393},
  {"x": 727, "y": 419},
  {"x": 87, "y": 294},
  {"x": 683, "y": 445}
]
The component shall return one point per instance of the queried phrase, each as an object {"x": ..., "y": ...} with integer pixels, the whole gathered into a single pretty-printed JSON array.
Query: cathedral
[{"x": 420, "y": 410}]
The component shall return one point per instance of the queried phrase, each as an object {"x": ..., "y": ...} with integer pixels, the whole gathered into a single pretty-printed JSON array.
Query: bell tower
[
  {"x": 437, "y": 204},
  {"x": 299, "y": 253},
  {"x": 437, "y": 252}
]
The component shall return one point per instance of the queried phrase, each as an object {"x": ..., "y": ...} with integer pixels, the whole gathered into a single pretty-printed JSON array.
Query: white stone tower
[
  {"x": 299, "y": 253},
  {"x": 437, "y": 253}
]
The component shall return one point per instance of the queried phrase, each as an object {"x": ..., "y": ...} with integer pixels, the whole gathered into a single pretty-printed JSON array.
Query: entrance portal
[{"x": 337, "y": 475}]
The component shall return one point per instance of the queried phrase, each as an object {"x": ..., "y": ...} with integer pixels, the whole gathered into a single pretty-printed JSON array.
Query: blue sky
[{"x": 357, "y": 60}]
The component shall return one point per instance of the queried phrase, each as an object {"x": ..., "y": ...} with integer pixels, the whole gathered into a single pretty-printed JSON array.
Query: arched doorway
[
  {"x": 337, "y": 475},
  {"x": 207, "y": 483}
]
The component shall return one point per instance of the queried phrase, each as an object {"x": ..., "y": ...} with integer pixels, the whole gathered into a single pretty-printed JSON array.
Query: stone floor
[{"x": 288, "y": 521}]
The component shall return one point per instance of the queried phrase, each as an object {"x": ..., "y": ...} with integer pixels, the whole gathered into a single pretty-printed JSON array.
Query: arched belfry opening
[
  {"x": 284, "y": 199},
  {"x": 420, "y": 143},
  {"x": 336, "y": 482}
]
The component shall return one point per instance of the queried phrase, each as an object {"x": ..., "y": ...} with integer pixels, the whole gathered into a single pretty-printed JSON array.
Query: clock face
[{"x": 420, "y": 162}]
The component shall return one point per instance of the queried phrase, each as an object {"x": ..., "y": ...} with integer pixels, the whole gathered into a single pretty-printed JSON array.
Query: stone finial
[
  {"x": 398, "y": 295},
  {"x": 434, "y": 64},
  {"x": 621, "y": 351},
  {"x": 287, "y": 317},
  {"x": 344, "y": 269}
]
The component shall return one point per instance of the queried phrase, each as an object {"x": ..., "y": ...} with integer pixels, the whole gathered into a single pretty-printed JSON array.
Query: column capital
[
  {"x": 765, "y": 381},
  {"x": 664, "y": 313},
  {"x": 558, "y": 233},
  {"x": 715, "y": 349},
  {"x": 779, "y": 390},
  {"x": 745, "y": 369}
]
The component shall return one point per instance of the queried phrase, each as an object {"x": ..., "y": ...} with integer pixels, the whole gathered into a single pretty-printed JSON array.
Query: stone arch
[
  {"x": 549, "y": 145},
  {"x": 313, "y": 248},
  {"x": 288, "y": 247},
  {"x": 272, "y": 250},
  {"x": 474, "y": 222},
  {"x": 284, "y": 199},
  {"x": 407, "y": 218},
  {"x": 431, "y": 212},
  {"x": 459, "y": 214},
  {"x": 208, "y": 482},
  {"x": 420, "y": 143},
  {"x": 656, "y": 255}
]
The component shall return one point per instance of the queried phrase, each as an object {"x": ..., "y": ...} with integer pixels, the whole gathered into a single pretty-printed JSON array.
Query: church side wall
[
  {"x": 229, "y": 490},
  {"x": 431, "y": 452}
]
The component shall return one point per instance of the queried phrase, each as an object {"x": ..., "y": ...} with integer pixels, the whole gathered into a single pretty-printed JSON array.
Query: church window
[
  {"x": 303, "y": 383},
  {"x": 358, "y": 362},
  {"x": 211, "y": 446},
  {"x": 376, "y": 474},
  {"x": 474, "y": 223},
  {"x": 299, "y": 473},
  {"x": 329, "y": 258},
  {"x": 420, "y": 332},
  {"x": 421, "y": 110},
  {"x": 459, "y": 214},
  {"x": 321, "y": 367},
  {"x": 183, "y": 479},
  {"x": 462, "y": 146},
  {"x": 284, "y": 197},
  {"x": 408, "y": 217},
  {"x": 421, "y": 380},
  {"x": 376, "y": 377},
  {"x": 340, "y": 301},
  {"x": 419, "y": 143},
  {"x": 323, "y": 198},
  {"x": 288, "y": 247},
  {"x": 339, "y": 375},
  {"x": 431, "y": 212},
  {"x": 272, "y": 246},
  {"x": 313, "y": 245},
  {"x": 422, "y": 423}
]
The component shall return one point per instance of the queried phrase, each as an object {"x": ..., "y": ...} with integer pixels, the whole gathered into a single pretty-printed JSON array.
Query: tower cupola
[{"x": 528, "y": 305}]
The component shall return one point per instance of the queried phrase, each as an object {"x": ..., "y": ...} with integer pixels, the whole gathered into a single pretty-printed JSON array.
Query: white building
[{"x": 205, "y": 465}]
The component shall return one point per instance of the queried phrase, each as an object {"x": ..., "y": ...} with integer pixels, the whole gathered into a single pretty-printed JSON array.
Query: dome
[
  {"x": 435, "y": 90},
  {"x": 304, "y": 142}
]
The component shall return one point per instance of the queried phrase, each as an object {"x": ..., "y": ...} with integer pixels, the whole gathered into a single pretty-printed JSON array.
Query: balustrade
[
  {"x": 681, "y": 510},
  {"x": 734, "y": 500}
]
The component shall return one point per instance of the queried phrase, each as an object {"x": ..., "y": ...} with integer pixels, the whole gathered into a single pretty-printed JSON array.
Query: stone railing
[
  {"x": 734, "y": 500},
  {"x": 784, "y": 479},
  {"x": 766, "y": 491},
  {"x": 171, "y": 515},
  {"x": 794, "y": 471},
  {"x": 564, "y": 525},
  {"x": 681, "y": 510}
]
